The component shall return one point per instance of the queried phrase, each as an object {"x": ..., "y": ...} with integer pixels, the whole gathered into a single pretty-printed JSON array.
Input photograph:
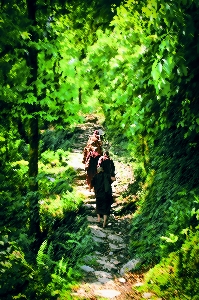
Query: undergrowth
[
  {"x": 165, "y": 225},
  {"x": 65, "y": 239}
]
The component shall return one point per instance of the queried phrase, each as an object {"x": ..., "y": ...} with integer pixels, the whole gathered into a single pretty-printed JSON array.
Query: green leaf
[
  {"x": 172, "y": 239},
  {"x": 197, "y": 121},
  {"x": 155, "y": 72},
  {"x": 25, "y": 35},
  {"x": 160, "y": 67},
  {"x": 184, "y": 70}
]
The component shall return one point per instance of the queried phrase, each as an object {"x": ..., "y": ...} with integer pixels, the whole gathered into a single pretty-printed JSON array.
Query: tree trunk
[
  {"x": 33, "y": 131},
  {"x": 33, "y": 172}
]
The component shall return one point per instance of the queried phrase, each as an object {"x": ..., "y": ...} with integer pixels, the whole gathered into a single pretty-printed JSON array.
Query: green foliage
[
  {"x": 50, "y": 156},
  {"x": 146, "y": 70},
  {"x": 14, "y": 211},
  {"x": 14, "y": 186},
  {"x": 61, "y": 187},
  {"x": 177, "y": 276},
  {"x": 14, "y": 268},
  {"x": 56, "y": 177},
  {"x": 62, "y": 280},
  {"x": 45, "y": 264},
  {"x": 59, "y": 256},
  {"x": 55, "y": 267},
  {"x": 139, "y": 178},
  {"x": 116, "y": 143},
  {"x": 56, "y": 139},
  {"x": 185, "y": 217},
  {"x": 170, "y": 193},
  {"x": 56, "y": 207},
  {"x": 51, "y": 276},
  {"x": 12, "y": 147}
]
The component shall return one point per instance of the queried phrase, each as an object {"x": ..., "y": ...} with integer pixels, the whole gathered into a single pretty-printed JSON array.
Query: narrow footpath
[{"x": 106, "y": 271}]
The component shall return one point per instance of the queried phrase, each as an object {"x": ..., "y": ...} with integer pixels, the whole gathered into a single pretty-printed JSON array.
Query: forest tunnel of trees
[{"x": 137, "y": 62}]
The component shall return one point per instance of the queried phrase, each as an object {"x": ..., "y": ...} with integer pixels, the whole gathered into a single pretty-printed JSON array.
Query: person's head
[
  {"x": 100, "y": 169},
  {"x": 106, "y": 153},
  {"x": 96, "y": 132}
]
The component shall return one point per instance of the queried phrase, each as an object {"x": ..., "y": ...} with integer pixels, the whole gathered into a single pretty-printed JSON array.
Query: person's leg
[
  {"x": 98, "y": 218},
  {"x": 105, "y": 220}
]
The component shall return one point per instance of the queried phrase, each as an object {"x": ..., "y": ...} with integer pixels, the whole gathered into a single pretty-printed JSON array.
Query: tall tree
[
  {"x": 36, "y": 79},
  {"x": 42, "y": 76},
  {"x": 32, "y": 109}
]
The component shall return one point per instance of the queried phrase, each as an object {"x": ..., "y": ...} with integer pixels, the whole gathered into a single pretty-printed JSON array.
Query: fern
[{"x": 44, "y": 261}]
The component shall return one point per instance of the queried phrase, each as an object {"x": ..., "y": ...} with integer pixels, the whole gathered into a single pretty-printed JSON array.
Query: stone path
[{"x": 106, "y": 271}]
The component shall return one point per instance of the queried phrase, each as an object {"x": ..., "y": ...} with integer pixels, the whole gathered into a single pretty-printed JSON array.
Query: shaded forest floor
[{"x": 106, "y": 271}]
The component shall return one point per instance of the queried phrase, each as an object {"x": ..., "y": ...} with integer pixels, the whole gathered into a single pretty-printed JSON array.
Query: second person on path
[
  {"x": 91, "y": 166},
  {"x": 107, "y": 164},
  {"x": 103, "y": 193}
]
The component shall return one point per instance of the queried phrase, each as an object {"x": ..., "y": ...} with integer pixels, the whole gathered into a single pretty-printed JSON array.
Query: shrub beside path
[{"x": 107, "y": 270}]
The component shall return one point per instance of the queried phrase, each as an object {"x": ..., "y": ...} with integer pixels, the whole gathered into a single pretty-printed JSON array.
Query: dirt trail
[{"x": 106, "y": 273}]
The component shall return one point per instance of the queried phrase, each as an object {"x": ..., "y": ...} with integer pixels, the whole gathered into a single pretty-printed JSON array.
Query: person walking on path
[
  {"x": 103, "y": 194},
  {"x": 96, "y": 140},
  {"x": 107, "y": 164},
  {"x": 87, "y": 149},
  {"x": 91, "y": 166},
  {"x": 95, "y": 136},
  {"x": 93, "y": 141}
]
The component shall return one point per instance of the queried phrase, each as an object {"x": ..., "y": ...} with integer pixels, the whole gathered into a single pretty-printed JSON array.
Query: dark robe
[
  {"x": 103, "y": 193},
  {"x": 107, "y": 164}
]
